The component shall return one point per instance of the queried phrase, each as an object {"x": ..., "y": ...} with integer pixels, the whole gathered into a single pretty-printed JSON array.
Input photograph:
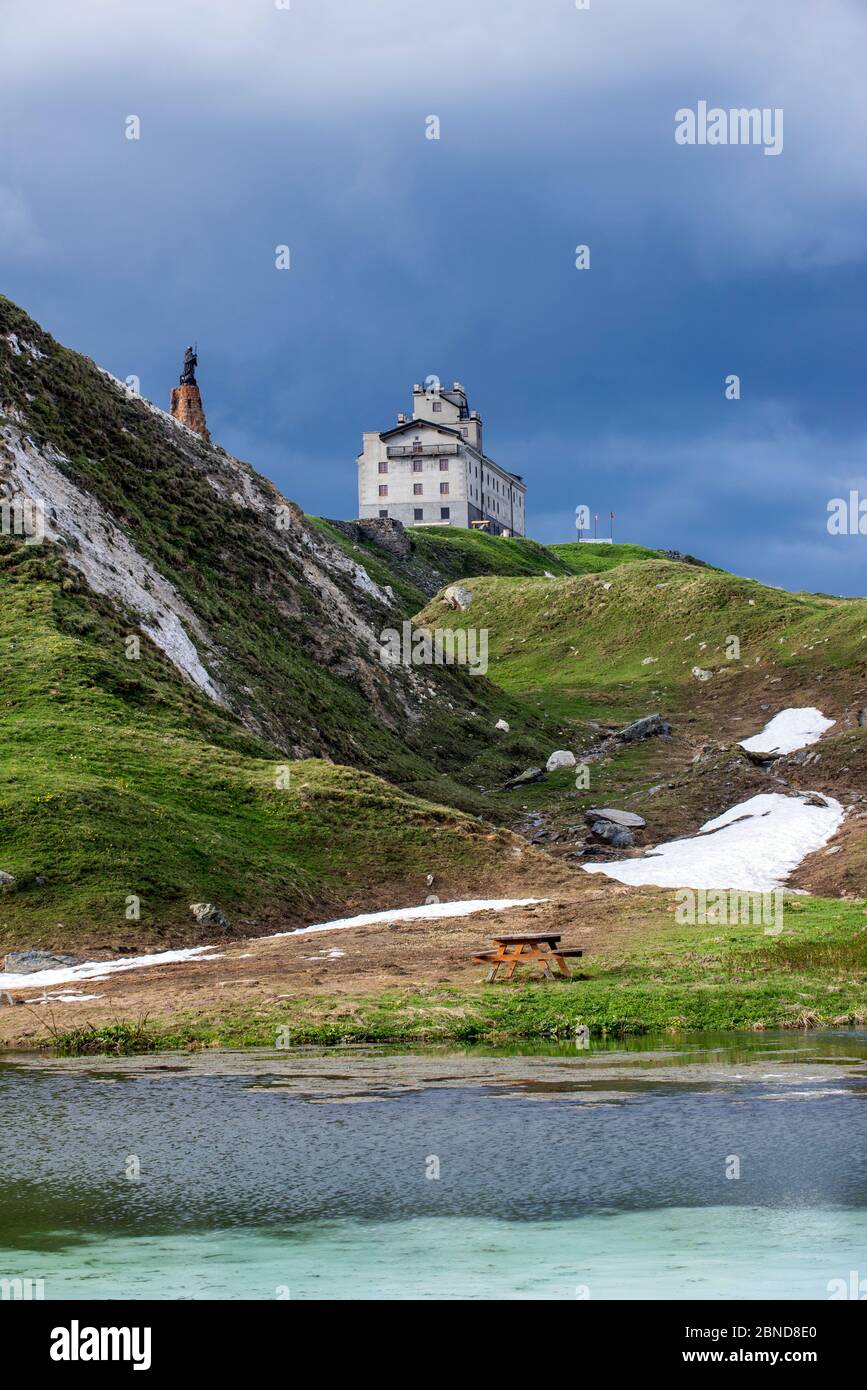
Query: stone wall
[
  {"x": 385, "y": 532},
  {"x": 187, "y": 407}
]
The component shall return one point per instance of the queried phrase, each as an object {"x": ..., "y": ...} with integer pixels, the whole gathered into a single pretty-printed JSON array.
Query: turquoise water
[
  {"x": 748, "y": 1252},
  {"x": 541, "y": 1173}
]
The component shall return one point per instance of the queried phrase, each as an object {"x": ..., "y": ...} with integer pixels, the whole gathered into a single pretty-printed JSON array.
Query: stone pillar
[{"x": 187, "y": 407}]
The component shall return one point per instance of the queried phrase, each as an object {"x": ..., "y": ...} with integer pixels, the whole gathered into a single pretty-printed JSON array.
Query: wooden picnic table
[{"x": 525, "y": 947}]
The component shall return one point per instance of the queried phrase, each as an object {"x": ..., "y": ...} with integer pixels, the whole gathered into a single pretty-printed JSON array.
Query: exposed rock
[
  {"x": 702, "y": 675},
  {"x": 6, "y": 879},
  {"x": 682, "y": 558},
  {"x": 456, "y": 596},
  {"x": 628, "y": 818},
  {"x": 616, "y": 835},
  {"x": 532, "y": 774},
  {"x": 432, "y": 898},
  {"x": 208, "y": 915},
  {"x": 560, "y": 758},
  {"x": 385, "y": 532},
  {"x": 27, "y": 962},
  {"x": 502, "y": 726},
  {"x": 651, "y": 726},
  {"x": 862, "y": 716},
  {"x": 760, "y": 759}
]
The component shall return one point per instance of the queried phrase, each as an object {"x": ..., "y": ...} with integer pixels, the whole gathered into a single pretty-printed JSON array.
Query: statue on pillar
[{"x": 188, "y": 375}]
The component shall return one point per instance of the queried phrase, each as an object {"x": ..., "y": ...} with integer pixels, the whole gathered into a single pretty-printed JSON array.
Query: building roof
[{"x": 416, "y": 423}]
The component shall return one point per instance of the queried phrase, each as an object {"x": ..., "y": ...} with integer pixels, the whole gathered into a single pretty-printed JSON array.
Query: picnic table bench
[{"x": 525, "y": 947}]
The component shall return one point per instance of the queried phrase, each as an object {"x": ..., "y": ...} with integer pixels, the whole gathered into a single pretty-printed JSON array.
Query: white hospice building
[{"x": 431, "y": 470}]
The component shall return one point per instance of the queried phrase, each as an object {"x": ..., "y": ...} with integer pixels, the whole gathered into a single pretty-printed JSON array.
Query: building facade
[{"x": 431, "y": 469}]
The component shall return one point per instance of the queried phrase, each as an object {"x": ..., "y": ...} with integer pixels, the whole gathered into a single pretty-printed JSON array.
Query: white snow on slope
[
  {"x": 754, "y": 847},
  {"x": 789, "y": 730},
  {"x": 427, "y": 912},
  {"x": 93, "y": 544},
  {"x": 96, "y": 969}
]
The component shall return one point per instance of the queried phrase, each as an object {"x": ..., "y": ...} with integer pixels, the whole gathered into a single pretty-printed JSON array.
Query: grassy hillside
[
  {"x": 120, "y": 778},
  {"x": 611, "y": 643},
  {"x": 290, "y": 628},
  {"x": 117, "y": 780},
  {"x": 441, "y": 556}
]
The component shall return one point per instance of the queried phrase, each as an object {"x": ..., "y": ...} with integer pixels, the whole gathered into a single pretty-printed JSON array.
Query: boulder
[
  {"x": 862, "y": 716},
  {"x": 28, "y": 962},
  {"x": 209, "y": 915},
  {"x": 6, "y": 879},
  {"x": 651, "y": 726},
  {"x": 701, "y": 674},
  {"x": 616, "y": 835},
  {"x": 502, "y": 725},
  {"x": 627, "y": 818},
  {"x": 560, "y": 758},
  {"x": 532, "y": 774},
  {"x": 456, "y": 596}
]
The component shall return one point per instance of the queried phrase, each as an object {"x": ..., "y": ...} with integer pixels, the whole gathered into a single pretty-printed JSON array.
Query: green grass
[
  {"x": 588, "y": 557},
  {"x": 440, "y": 556},
  {"x": 600, "y": 644},
  {"x": 116, "y": 780}
]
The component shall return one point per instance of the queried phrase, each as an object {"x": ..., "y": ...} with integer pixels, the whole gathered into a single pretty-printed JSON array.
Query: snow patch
[
  {"x": 789, "y": 730},
  {"x": 97, "y": 969},
  {"x": 426, "y": 912},
  {"x": 754, "y": 846}
]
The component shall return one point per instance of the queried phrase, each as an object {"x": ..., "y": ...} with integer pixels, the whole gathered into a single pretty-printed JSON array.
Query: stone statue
[{"x": 188, "y": 375}]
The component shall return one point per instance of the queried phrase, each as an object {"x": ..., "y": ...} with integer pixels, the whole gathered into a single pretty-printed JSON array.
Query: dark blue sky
[{"x": 411, "y": 256}]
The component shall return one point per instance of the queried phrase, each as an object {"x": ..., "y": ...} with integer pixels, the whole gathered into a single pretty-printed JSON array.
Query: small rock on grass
[
  {"x": 532, "y": 774},
  {"x": 27, "y": 962},
  {"x": 651, "y": 726},
  {"x": 560, "y": 758},
  {"x": 616, "y": 835},
  {"x": 627, "y": 818},
  {"x": 209, "y": 915}
]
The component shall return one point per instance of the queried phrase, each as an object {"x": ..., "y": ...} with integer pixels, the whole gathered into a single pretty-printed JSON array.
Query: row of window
[
  {"x": 417, "y": 488},
  {"x": 418, "y": 514},
  {"x": 418, "y": 466}
]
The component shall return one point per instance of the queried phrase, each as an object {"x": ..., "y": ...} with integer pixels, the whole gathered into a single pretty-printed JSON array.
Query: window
[
  {"x": 444, "y": 487},
  {"x": 437, "y": 405},
  {"x": 417, "y": 465},
  {"x": 383, "y": 514},
  {"x": 464, "y": 431},
  {"x": 417, "y": 514},
  {"x": 383, "y": 468},
  {"x": 444, "y": 463},
  {"x": 383, "y": 489},
  {"x": 418, "y": 489},
  {"x": 444, "y": 513}
]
